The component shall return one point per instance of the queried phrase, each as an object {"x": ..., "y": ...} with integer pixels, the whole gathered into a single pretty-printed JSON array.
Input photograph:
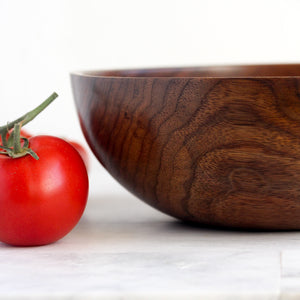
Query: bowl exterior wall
[{"x": 218, "y": 151}]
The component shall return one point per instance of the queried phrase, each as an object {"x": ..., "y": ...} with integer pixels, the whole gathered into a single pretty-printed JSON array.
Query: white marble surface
[{"x": 124, "y": 249}]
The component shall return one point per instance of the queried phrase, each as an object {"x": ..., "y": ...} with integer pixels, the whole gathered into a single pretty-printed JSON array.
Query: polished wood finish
[{"x": 214, "y": 145}]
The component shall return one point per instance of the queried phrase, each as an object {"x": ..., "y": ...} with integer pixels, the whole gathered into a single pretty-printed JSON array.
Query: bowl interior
[{"x": 280, "y": 70}]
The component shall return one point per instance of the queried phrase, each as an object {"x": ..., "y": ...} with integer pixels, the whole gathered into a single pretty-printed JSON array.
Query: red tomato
[
  {"x": 41, "y": 200},
  {"x": 82, "y": 152}
]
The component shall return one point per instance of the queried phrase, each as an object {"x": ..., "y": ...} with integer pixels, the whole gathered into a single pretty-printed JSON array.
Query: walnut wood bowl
[{"x": 214, "y": 145}]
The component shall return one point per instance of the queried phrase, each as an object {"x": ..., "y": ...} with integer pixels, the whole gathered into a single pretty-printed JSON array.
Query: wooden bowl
[{"x": 214, "y": 145}]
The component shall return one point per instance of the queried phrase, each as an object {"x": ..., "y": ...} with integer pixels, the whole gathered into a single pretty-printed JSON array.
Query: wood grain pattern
[{"x": 218, "y": 146}]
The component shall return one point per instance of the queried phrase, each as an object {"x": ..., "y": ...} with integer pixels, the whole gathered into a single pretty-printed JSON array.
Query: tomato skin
[
  {"x": 42, "y": 200},
  {"x": 82, "y": 152}
]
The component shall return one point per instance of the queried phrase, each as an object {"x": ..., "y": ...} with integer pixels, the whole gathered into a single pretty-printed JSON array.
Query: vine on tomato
[{"x": 43, "y": 186}]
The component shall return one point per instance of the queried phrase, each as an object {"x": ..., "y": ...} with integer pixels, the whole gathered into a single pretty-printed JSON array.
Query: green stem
[
  {"x": 12, "y": 145},
  {"x": 27, "y": 117},
  {"x": 17, "y": 148}
]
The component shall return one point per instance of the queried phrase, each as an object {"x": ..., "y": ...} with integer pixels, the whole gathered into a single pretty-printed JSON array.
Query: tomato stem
[
  {"x": 12, "y": 145},
  {"x": 29, "y": 116},
  {"x": 18, "y": 150},
  {"x": 17, "y": 144}
]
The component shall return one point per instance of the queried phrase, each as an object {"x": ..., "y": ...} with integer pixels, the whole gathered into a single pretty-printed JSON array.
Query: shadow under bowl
[{"x": 216, "y": 145}]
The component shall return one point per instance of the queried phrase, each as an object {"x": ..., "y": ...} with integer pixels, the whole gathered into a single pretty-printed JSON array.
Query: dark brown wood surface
[{"x": 218, "y": 146}]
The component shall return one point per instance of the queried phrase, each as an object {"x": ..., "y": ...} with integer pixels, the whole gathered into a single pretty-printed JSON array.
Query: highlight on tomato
[{"x": 43, "y": 187}]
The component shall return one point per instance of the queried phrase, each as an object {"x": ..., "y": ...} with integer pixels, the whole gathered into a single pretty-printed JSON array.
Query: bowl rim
[{"x": 103, "y": 73}]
